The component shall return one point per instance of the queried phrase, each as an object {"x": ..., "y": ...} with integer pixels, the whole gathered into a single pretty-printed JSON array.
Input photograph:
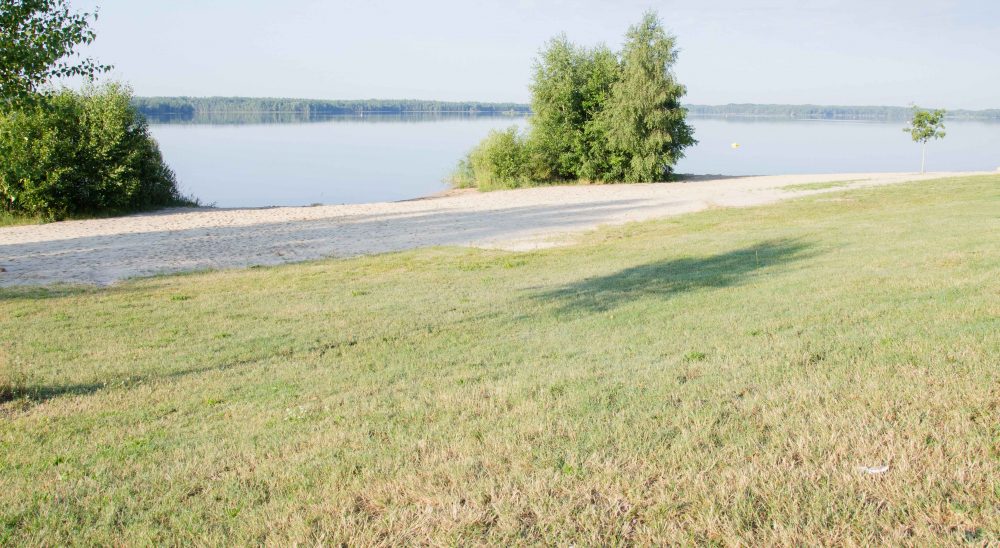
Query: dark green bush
[
  {"x": 570, "y": 86},
  {"x": 81, "y": 154}
]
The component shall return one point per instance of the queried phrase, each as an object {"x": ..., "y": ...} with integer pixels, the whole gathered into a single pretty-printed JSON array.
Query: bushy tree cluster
[
  {"x": 81, "y": 153},
  {"x": 62, "y": 152},
  {"x": 597, "y": 116}
]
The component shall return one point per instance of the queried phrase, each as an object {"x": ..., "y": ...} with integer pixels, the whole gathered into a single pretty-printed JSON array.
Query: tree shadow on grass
[
  {"x": 15, "y": 293},
  {"x": 42, "y": 393},
  {"x": 670, "y": 277},
  {"x": 34, "y": 393}
]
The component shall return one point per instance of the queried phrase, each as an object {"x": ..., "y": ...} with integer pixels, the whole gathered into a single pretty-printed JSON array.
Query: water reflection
[
  {"x": 328, "y": 160},
  {"x": 264, "y": 159}
]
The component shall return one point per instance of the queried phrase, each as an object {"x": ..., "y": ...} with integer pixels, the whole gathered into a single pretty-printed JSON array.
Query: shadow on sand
[{"x": 104, "y": 259}]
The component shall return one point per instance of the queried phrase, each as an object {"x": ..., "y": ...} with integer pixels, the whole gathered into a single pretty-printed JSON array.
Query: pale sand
[{"x": 103, "y": 251}]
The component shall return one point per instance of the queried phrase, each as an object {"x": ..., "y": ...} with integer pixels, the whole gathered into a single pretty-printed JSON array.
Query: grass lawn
[
  {"x": 17, "y": 219},
  {"x": 718, "y": 377}
]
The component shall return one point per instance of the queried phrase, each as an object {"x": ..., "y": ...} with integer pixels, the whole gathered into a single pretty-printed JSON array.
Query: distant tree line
[
  {"x": 261, "y": 117},
  {"x": 278, "y": 110},
  {"x": 195, "y": 106},
  {"x": 821, "y": 112}
]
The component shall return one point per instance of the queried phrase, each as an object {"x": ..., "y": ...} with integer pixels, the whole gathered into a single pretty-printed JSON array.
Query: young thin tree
[
  {"x": 644, "y": 119},
  {"x": 37, "y": 39},
  {"x": 925, "y": 125}
]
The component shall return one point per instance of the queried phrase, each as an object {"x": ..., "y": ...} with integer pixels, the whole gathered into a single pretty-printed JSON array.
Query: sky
[{"x": 934, "y": 53}]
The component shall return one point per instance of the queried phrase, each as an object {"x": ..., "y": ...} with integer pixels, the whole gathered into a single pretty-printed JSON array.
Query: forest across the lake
[{"x": 194, "y": 108}]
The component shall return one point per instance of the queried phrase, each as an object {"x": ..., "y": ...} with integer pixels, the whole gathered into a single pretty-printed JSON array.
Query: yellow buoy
[{"x": 735, "y": 146}]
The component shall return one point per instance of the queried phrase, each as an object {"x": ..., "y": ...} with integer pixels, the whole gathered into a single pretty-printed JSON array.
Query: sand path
[{"x": 103, "y": 251}]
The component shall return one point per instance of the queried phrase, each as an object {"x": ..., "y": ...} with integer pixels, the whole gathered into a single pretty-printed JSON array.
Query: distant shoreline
[{"x": 192, "y": 107}]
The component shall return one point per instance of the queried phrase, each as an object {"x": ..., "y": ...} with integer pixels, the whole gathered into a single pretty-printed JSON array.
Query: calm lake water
[{"x": 355, "y": 160}]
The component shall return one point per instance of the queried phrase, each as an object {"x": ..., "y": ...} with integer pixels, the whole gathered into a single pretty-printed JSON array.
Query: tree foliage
[
  {"x": 926, "y": 125},
  {"x": 597, "y": 115},
  {"x": 570, "y": 86},
  {"x": 37, "y": 39},
  {"x": 81, "y": 153},
  {"x": 644, "y": 120}
]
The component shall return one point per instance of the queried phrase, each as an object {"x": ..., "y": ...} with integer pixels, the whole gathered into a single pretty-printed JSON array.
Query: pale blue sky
[{"x": 930, "y": 52}]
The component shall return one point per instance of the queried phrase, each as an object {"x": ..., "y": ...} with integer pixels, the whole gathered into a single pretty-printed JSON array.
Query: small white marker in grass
[{"x": 873, "y": 470}]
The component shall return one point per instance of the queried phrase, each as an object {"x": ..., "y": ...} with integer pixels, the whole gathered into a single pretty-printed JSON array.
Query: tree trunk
[{"x": 923, "y": 156}]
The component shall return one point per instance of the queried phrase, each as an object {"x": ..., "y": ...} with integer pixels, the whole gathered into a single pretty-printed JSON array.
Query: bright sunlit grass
[
  {"x": 719, "y": 377},
  {"x": 819, "y": 186}
]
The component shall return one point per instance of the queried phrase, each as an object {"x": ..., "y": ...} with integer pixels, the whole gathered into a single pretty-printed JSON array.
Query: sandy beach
[{"x": 103, "y": 251}]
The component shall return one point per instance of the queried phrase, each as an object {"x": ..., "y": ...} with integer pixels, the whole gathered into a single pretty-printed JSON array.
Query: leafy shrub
[
  {"x": 502, "y": 160},
  {"x": 81, "y": 154},
  {"x": 570, "y": 87}
]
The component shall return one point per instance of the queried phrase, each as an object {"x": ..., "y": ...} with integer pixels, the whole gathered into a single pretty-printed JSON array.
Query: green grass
[
  {"x": 10, "y": 219},
  {"x": 17, "y": 219},
  {"x": 818, "y": 186},
  {"x": 716, "y": 378}
]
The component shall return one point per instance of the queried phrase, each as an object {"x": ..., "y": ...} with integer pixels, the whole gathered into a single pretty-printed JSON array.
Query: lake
[{"x": 386, "y": 158}]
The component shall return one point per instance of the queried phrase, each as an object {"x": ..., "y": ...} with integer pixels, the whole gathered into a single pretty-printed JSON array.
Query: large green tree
[
  {"x": 643, "y": 119},
  {"x": 37, "y": 42}
]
